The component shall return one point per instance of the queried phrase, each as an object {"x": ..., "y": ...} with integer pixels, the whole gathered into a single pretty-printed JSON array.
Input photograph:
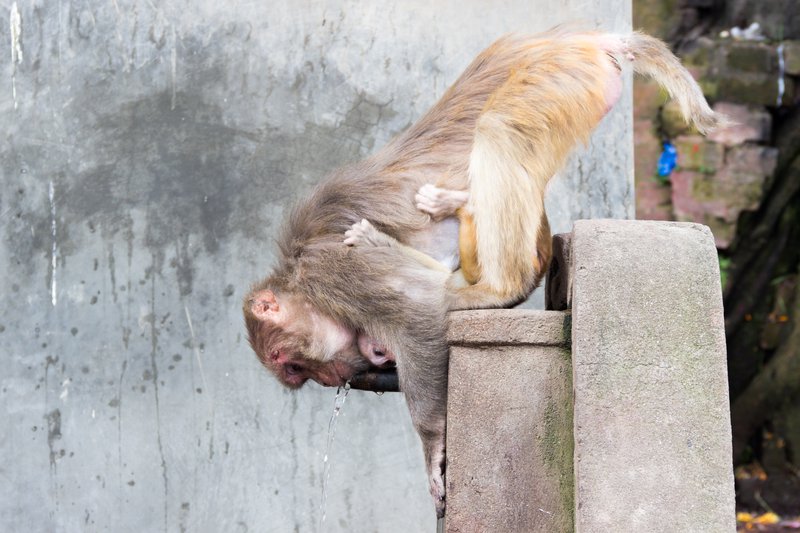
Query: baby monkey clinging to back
[{"x": 484, "y": 153}]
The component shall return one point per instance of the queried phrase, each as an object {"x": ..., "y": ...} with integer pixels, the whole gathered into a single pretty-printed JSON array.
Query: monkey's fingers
[
  {"x": 363, "y": 233},
  {"x": 439, "y": 203}
]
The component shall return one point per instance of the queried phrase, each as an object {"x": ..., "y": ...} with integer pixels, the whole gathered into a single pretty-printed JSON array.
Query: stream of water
[{"x": 338, "y": 403}]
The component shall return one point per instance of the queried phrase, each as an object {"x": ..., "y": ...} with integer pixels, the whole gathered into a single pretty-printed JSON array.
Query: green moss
[
  {"x": 703, "y": 189},
  {"x": 724, "y": 269},
  {"x": 557, "y": 444}
]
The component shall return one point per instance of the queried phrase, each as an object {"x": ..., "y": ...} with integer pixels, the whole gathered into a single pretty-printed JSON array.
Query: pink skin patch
[
  {"x": 613, "y": 89},
  {"x": 375, "y": 352},
  {"x": 612, "y": 46}
]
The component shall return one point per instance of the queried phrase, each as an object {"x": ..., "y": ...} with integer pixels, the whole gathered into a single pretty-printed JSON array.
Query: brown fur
[{"x": 500, "y": 132}]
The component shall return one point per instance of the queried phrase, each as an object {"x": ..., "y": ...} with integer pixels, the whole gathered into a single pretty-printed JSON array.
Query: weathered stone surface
[
  {"x": 751, "y": 56},
  {"x": 752, "y": 88},
  {"x": 718, "y": 200},
  {"x": 751, "y": 159},
  {"x": 507, "y": 327},
  {"x": 746, "y": 124},
  {"x": 653, "y": 200},
  {"x": 652, "y": 422},
  {"x": 700, "y": 55},
  {"x": 791, "y": 56},
  {"x": 648, "y": 97},
  {"x": 697, "y": 153},
  {"x": 647, "y": 148},
  {"x": 509, "y": 422},
  {"x": 657, "y": 16}
]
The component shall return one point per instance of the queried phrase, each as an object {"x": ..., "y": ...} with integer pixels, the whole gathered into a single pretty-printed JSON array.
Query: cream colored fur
[{"x": 553, "y": 100}]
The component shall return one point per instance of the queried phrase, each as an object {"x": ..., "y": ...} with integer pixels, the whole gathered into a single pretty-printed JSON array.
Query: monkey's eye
[{"x": 293, "y": 369}]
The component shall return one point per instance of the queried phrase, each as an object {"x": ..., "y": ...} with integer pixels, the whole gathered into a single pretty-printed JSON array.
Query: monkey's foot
[
  {"x": 364, "y": 234},
  {"x": 440, "y": 203},
  {"x": 436, "y": 481}
]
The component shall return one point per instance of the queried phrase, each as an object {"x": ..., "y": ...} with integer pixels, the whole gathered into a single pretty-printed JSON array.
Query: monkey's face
[
  {"x": 294, "y": 367},
  {"x": 297, "y": 345}
]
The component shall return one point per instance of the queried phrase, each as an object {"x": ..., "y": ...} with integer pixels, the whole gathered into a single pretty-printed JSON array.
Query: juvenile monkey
[{"x": 489, "y": 145}]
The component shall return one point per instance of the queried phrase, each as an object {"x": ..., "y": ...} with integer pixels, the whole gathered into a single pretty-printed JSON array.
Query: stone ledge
[
  {"x": 509, "y": 327},
  {"x": 509, "y": 422}
]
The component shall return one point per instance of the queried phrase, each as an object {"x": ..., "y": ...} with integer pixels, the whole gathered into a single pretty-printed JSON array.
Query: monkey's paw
[
  {"x": 364, "y": 234},
  {"x": 437, "y": 491},
  {"x": 440, "y": 203}
]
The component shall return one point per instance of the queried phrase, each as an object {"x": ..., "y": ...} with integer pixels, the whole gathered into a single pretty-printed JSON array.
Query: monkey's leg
[
  {"x": 365, "y": 234},
  {"x": 482, "y": 294},
  {"x": 403, "y": 303},
  {"x": 467, "y": 247},
  {"x": 418, "y": 337}
]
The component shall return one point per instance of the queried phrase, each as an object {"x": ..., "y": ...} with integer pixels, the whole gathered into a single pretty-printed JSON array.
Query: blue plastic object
[{"x": 667, "y": 160}]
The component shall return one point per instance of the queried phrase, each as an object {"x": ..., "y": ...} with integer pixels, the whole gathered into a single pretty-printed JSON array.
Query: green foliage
[{"x": 724, "y": 268}]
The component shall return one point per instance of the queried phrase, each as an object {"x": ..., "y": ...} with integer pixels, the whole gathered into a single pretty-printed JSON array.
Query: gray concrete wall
[{"x": 148, "y": 151}]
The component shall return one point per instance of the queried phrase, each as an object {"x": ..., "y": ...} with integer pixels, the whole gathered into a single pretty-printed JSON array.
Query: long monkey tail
[
  {"x": 651, "y": 57},
  {"x": 553, "y": 99}
]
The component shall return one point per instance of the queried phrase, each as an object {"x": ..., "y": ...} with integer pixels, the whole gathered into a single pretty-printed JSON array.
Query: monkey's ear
[{"x": 264, "y": 305}]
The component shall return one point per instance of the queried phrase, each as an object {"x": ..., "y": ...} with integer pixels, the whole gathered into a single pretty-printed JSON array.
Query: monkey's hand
[
  {"x": 364, "y": 234},
  {"x": 440, "y": 203}
]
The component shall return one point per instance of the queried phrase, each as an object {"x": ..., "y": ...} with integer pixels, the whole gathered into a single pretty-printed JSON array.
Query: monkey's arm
[{"x": 365, "y": 234}]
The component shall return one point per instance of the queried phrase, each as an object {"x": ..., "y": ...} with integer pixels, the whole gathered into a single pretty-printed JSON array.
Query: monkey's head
[{"x": 296, "y": 343}]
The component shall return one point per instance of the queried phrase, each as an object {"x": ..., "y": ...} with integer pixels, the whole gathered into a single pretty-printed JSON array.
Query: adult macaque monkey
[{"x": 490, "y": 145}]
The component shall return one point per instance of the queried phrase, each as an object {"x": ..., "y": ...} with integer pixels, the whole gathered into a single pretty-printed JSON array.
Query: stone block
[
  {"x": 656, "y": 17},
  {"x": 718, "y": 200},
  {"x": 746, "y": 124},
  {"x": 751, "y": 56},
  {"x": 697, "y": 153},
  {"x": 748, "y": 162},
  {"x": 700, "y": 54},
  {"x": 651, "y": 414},
  {"x": 791, "y": 57},
  {"x": 646, "y": 150},
  {"x": 509, "y": 422},
  {"x": 710, "y": 87},
  {"x": 648, "y": 97},
  {"x": 752, "y": 88},
  {"x": 653, "y": 200}
]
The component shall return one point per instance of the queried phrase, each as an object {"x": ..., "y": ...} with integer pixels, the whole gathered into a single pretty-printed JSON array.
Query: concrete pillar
[
  {"x": 641, "y": 406},
  {"x": 652, "y": 420},
  {"x": 509, "y": 429}
]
